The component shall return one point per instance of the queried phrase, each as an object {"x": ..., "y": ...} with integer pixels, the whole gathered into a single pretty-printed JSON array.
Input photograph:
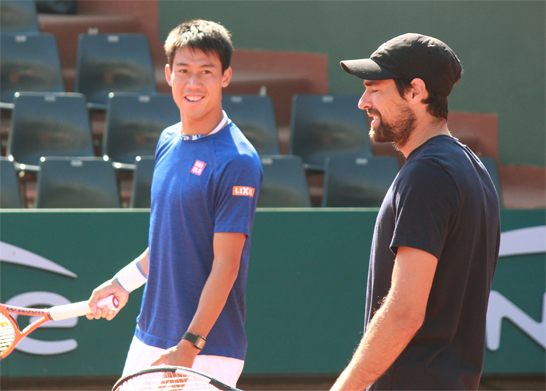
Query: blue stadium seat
[
  {"x": 113, "y": 63},
  {"x": 142, "y": 182},
  {"x": 352, "y": 181},
  {"x": 45, "y": 124},
  {"x": 17, "y": 16},
  {"x": 255, "y": 116},
  {"x": 29, "y": 62},
  {"x": 327, "y": 125},
  {"x": 77, "y": 183},
  {"x": 134, "y": 123},
  {"x": 284, "y": 184},
  {"x": 10, "y": 194}
]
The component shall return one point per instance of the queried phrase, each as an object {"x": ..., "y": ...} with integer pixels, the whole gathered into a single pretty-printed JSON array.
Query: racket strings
[
  {"x": 7, "y": 333},
  {"x": 164, "y": 381}
]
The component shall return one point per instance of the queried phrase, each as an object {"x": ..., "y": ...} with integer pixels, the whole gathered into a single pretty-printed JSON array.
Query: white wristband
[{"x": 131, "y": 277}]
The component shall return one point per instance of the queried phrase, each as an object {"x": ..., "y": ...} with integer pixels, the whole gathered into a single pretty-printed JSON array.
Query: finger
[
  {"x": 111, "y": 314},
  {"x": 159, "y": 361},
  {"x": 93, "y": 300},
  {"x": 104, "y": 312},
  {"x": 99, "y": 313}
]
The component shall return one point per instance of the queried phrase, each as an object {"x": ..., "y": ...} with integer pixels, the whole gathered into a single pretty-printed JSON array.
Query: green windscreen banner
[{"x": 305, "y": 295}]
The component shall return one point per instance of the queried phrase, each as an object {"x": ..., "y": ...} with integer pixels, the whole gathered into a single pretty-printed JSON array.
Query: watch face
[{"x": 200, "y": 343}]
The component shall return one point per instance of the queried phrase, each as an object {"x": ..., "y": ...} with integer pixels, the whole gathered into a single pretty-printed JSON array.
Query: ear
[
  {"x": 226, "y": 77},
  {"x": 168, "y": 74},
  {"x": 418, "y": 91}
]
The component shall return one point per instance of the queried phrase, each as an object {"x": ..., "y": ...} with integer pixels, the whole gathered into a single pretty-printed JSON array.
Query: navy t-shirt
[
  {"x": 442, "y": 202},
  {"x": 199, "y": 188}
]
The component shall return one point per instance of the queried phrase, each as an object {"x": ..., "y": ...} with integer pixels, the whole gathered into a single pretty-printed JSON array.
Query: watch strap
[{"x": 197, "y": 340}]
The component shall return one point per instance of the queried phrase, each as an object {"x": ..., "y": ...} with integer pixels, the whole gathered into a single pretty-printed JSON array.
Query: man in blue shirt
[
  {"x": 436, "y": 240},
  {"x": 205, "y": 186}
]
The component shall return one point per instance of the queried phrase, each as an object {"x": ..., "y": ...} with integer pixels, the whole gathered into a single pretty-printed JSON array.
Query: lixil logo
[{"x": 243, "y": 191}]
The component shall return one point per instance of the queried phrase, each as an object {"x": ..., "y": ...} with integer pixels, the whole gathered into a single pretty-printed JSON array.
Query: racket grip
[{"x": 81, "y": 308}]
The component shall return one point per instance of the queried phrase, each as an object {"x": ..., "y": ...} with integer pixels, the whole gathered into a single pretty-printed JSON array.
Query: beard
[{"x": 397, "y": 132}]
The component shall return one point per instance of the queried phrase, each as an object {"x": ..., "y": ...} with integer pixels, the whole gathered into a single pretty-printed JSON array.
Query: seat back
[
  {"x": 142, "y": 182},
  {"x": 491, "y": 167},
  {"x": 134, "y": 123},
  {"x": 284, "y": 184},
  {"x": 113, "y": 63},
  {"x": 352, "y": 181},
  {"x": 10, "y": 195},
  {"x": 77, "y": 183},
  {"x": 18, "y": 16},
  {"x": 29, "y": 62},
  {"x": 255, "y": 116},
  {"x": 46, "y": 124},
  {"x": 327, "y": 125}
]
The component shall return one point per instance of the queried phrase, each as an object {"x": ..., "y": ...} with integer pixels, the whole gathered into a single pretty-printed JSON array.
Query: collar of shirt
[{"x": 222, "y": 123}]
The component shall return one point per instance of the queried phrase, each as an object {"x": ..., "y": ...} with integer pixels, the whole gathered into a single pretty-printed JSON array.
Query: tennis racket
[
  {"x": 11, "y": 335},
  {"x": 169, "y": 378}
]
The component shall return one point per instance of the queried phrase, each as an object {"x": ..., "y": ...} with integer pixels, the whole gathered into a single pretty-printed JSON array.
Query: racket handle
[{"x": 81, "y": 308}]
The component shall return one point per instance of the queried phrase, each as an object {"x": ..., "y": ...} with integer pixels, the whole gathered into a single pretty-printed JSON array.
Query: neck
[
  {"x": 203, "y": 125},
  {"x": 423, "y": 132}
]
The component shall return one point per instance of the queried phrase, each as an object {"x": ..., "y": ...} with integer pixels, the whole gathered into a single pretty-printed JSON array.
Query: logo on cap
[
  {"x": 198, "y": 167},
  {"x": 243, "y": 191}
]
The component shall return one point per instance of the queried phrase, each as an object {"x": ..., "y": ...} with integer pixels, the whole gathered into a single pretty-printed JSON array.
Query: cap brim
[{"x": 367, "y": 69}]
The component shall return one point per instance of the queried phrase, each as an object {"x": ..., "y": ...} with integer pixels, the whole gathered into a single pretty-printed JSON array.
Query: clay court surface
[{"x": 258, "y": 383}]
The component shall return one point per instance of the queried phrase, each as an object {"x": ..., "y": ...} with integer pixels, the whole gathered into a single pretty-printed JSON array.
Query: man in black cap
[{"x": 436, "y": 240}]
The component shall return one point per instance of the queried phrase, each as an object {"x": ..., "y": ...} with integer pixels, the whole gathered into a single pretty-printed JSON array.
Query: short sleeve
[
  {"x": 426, "y": 205},
  {"x": 237, "y": 193}
]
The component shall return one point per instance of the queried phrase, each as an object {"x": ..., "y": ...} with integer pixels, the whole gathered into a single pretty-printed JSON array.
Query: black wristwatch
[{"x": 197, "y": 340}]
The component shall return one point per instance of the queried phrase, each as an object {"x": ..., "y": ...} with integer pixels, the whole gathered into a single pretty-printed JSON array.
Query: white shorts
[{"x": 225, "y": 369}]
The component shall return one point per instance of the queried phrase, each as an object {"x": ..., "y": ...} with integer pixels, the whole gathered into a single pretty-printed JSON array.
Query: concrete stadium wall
[{"x": 501, "y": 45}]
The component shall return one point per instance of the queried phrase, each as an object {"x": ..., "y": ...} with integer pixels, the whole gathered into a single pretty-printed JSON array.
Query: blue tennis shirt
[{"x": 199, "y": 187}]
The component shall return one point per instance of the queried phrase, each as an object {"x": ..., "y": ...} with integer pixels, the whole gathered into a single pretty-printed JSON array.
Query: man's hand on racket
[
  {"x": 181, "y": 355},
  {"x": 108, "y": 288}
]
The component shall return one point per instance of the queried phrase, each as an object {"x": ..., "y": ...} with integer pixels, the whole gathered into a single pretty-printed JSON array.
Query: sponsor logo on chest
[{"x": 198, "y": 167}]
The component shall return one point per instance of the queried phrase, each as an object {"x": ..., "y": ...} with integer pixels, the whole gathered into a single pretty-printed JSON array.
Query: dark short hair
[
  {"x": 436, "y": 103},
  {"x": 210, "y": 37}
]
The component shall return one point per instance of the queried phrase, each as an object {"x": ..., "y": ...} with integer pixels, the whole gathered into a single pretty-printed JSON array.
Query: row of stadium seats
[
  {"x": 57, "y": 124},
  {"x": 323, "y": 127},
  {"x": 105, "y": 63},
  {"x": 90, "y": 182}
]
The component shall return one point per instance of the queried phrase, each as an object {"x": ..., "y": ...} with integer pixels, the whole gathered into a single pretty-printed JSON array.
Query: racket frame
[
  {"x": 178, "y": 370},
  {"x": 54, "y": 313},
  {"x": 6, "y": 310}
]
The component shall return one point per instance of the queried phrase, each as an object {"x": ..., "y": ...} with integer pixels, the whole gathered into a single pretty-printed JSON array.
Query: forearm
[
  {"x": 225, "y": 269},
  {"x": 212, "y": 301},
  {"x": 395, "y": 323},
  {"x": 213, "y": 298},
  {"x": 387, "y": 336}
]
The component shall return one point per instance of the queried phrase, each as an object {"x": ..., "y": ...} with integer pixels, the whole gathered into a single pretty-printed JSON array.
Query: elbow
[
  {"x": 413, "y": 322},
  {"x": 234, "y": 272},
  {"x": 228, "y": 271},
  {"x": 410, "y": 321},
  {"x": 416, "y": 323}
]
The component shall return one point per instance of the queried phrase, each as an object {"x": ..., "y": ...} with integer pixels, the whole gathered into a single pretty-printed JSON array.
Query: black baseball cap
[{"x": 411, "y": 56}]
